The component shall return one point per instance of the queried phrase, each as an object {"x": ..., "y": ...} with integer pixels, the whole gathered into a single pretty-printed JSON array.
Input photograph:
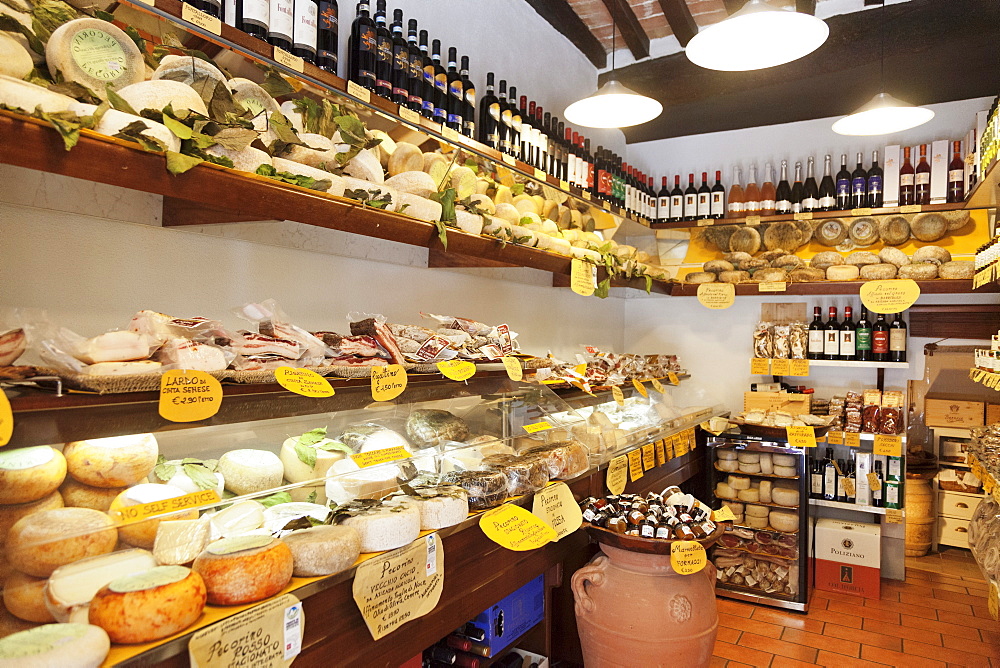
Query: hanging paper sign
[
  {"x": 640, "y": 388},
  {"x": 388, "y": 382},
  {"x": 835, "y": 437},
  {"x": 717, "y": 296},
  {"x": 271, "y": 633},
  {"x": 513, "y": 366},
  {"x": 583, "y": 277},
  {"x": 457, "y": 369},
  {"x": 760, "y": 366},
  {"x": 649, "y": 456},
  {"x": 723, "y": 514},
  {"x": 617, "y": 475},
  {"x": 888, "y": 445},
  {"x": 619, "y": 396},
  {"x": 556, "y": 506},
  {"x": 635, "y": 465},
  {"x": 801, "y": 437},
  {"x": 890, "y": 296},
  {"x": 687, "y": 557},
  {"x": 189, "y": 396},
  {"x": 873, "y": 481},
  {"x": 852, "y": 439},
  {"x": 672, "y": 378},
  {"x": 303, "y": 381},
  {"x": 657, "y": 385},
  {"x": 661, "y": 455},
  {"x": 514, "y": 528},
  {"x": 6, "y": 419}
]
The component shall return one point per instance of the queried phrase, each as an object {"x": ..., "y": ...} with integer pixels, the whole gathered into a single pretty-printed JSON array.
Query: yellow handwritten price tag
[
  {"x": 635, "y": 465},
  {"x": 893, "y": 516},
  {"x": 890, "y": 296},
  {"x": 280, "y": 619},
  {"x": 705, "y": 222},
  {"x": 657, "y": 385},
  {"x": 556, "y": 506},
  {"x": 388, "y": 382},
  {"x": 203, "y": 20},
  {"x": 383, "y": 456},
  {"x": 993, "y": 601},
  {"x": 585, "y": 194},
  {"x": 563, "y": 185},
  {"x": 648, "y": 456},
  {"x": 409, "y": 115},
  {"x": 687, "y": 557},
  {"x": 672, "y": 378},
  {"x": 289, "y": 60},
  {"x": 798, "y": 367},
  {"x": 717, "y": 296},
  {"x": 852, "y": 439},
  {"x": 450, "y": 133},
  {"x": 189, "y": 396},
  {"x": 539, "y": 174},
  {"x": 457, "y": 369},
  {"x": 780, "y": 367},
  {"x": 889, "y": 445},
  {"x": 143, "y": 511},
  {"x": 873, "y": 481},
  {"x": 864, "y": 211},
  {"x": 681, "y": 444},
  {"x": 760, "y": 366},
  {"x": 303, "y": 381},
  {"x": 753, "y": 220},
  {"x": 910, "y": 208},
  {"x": 803, "y": 215},
  {"x": 801, "y": 437},
  {"x": 359, "y": 91},
  {"x": 619, "y": 396},
  {"x": 848, "y": 485},
  {"x": 723, "y": 514},
  {"x": 513, "y": 366},
  {"x": 661, "y": 455},
  {"x": 537, "y": 427},
  {"x": 583, "y": 277},
  {"x": 6, "y": 419},
  {"x": 617, "y": 475},
  {"x": 514, "y": 528},
  {"x": 668, "y": 448},
  {"x": 639, "y": 387},
  {"x": 835, "y": 437},
  {"x": 771, "y": 286}
]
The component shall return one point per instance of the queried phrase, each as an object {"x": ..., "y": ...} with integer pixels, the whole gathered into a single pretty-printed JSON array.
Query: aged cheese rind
[
  {"x": 77, "y": 495},
  {"x": 56, "y": 646},
  {"x": 247, "y": 575},
  {"x": 247, "y": 471},
  {"x": 337, "y": 183},
  {"x": 323, "y": 550},
  {"x": 9, "y": 514},
  {"x": 143, "y": 534},
  {"x": 156, "y": 95},
  {"x": 25, "y": 96},
  {"x": 245, "y": 160},
  {"x": 95, "y": 54},
  {"x": 386, "y": 527},
  {"x": 153, "y": 612},
  {"x": 258, "y": 102},
  {"x": 29, "y": 474},
  {"x": 24, "y": 597},
  {"x": 15, "y": 60},
  {"x": 117, "y": 461},
  {"x": 40, "y": 543},
  {"x": 113, "y": 121},
  {"x": 70, "y": 588}
]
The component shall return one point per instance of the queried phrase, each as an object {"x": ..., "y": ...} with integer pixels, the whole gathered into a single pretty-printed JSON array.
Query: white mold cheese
[{"x": 56, "y": 646}]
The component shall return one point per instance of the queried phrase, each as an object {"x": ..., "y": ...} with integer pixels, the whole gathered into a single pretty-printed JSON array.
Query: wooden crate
[
  {"x": 795, "y": 404},
  {"x": 953, "y": 412},
  {"x": 992, "y": 413}
]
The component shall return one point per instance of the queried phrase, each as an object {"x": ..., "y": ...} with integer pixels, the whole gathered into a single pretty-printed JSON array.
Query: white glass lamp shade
[
  {"x": 882, "y": 115},
  {"x": 756, "y": 37},
  {"x": 613, "y": 106}
]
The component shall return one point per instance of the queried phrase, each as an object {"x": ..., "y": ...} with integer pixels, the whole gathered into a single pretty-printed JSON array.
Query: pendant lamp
[
  {"x": 613, "y": 105},
  {"x": 883, "y": 114},
  {"x": 758, "y": 36}
]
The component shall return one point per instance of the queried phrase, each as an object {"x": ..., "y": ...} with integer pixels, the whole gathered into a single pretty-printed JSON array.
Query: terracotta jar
[{"x": 632, "y": 609}]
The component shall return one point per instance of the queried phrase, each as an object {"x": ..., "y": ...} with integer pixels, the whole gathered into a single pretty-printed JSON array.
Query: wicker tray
[
  {"x": 135, "y": 382},
  {"x": 645, "y": 545},
  {"x": 778, "y": 433}
]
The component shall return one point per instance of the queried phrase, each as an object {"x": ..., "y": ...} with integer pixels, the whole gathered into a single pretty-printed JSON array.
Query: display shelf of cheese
[
  {"x": 848, "y": 506},
  {"x": 936, "y": 286},
  {"x": 986, "y": 193}
]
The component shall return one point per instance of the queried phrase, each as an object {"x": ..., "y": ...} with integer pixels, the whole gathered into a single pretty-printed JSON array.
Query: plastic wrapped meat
[
  {"x": 185, "y": 354},
  {"x": 524, "y": 474},
  {"x": 486, "y": 489},
  {"x": 565, "y": 459},
  {"x": 427, "y": 427}
]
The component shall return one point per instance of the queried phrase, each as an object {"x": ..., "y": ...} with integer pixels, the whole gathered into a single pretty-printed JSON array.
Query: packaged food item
[
  {"x": 870, "y": 411},
  {"x": 486, "y": 489},
  {"x": 852, "y": 412},
  {"x": 798, "y": 341},
  {"x": 891, "y": 413},
  {"x": 565, "y": 459},
  {"x": 525, "y": 473},
  {"x": 781, "y": 341},
  {"x": 762, "y": 341}
]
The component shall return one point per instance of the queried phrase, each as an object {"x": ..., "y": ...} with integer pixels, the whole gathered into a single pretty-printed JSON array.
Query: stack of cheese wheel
[
  {"x": 102, "y": 468},
  {"x": 726, "y": 460},
  {"x": 785, "y": 465}
]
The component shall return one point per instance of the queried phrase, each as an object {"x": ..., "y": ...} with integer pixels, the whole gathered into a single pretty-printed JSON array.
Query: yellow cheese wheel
[
  {"x": 150, "y": 605},
  {"x": 143, "y": 534},
  {"x": 244, "y": 569},
  {"x": 28, "y": 474},
  {"x": 42, "y": 542},
  {"x": 117, "y": 461},
  {"x": 24, "y": 597},
  {"x": 77, "y": 495},
  {"x": 12, "y": 513}
]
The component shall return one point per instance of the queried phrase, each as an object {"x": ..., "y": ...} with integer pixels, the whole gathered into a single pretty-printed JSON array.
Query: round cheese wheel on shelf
[
  {"x": 724, "y": 491},
  {"x": 9, "y": 514},
  {"x": 151, "y": 605},
  {"x": 725, "y": 455},
  {"x": 118, "y": 461},
  {"x": 766, "y": 463},
  {"x": 738, "y": 518},
  {"x": 756, "y": 511},
  {"x": 244, "y": 569},
  {"x": 386, "y": 527},
  {"x": 756, "y": 522},
  {"x": 28, "y": 474},
  {"x": 248, "y": 471},
  {"x": 749, "y": 468},
  {"x": 237, "y": 519},
  {"x": 765, "y": 491},
  {"x": 77, "y": 495},
  {"x": 734, "y": 506},
  {"x": 40, "y": 543},
  {"x": 143, "y": 534},
  {"x": 749, "y": 457},
  {"x": 785, "y": 497},
  {"x": 24, "y": 597},
  {"x": 96, "y": 54},
  {"x": 843, "y": 272},
  {"x": 71, "y": 588},
  {"x": 749, "y": 495},
  {"x": 180, "y": 542},
  {"x": 728, "y": 465},
  {"x": 297, "y": 470},
  {"x": 785, "y": 471},
  {"x": 784, "y": 520},
  {"x": 323, "y": 550},
  {"x": 56, "y": 646},
  {"x": 155, "y": 95},
  {"x": 783, "y": 460},
  {"x": 739, "y": 482}
]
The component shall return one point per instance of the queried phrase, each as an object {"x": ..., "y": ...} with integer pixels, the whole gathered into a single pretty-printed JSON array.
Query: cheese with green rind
[
  {"x": 151, "y": 579},
  {"x": 95, "y": 54},
  {"x": 28, "y": 474},
  {"x": 56, "y": 646},
  {"x": 244, "y": 575}
]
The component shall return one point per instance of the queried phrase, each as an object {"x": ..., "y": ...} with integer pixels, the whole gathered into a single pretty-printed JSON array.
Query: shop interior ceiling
[{"x": 936, "y": 51}]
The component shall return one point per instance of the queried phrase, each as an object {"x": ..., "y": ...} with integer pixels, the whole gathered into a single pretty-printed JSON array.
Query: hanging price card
[
  {"x": 723, "y": 514},
  {"x": 717, "y": 296},
  {"x": 388, "y": 382},
  {"x": 760, "y": 366},
  {"x": 515, "y": 528},
  {"x": 457, "y": 369},
  {"x": 661, "y": 455},
  {"x": 835, "y": 437},
  {"x": 513, "y": 367},
  {"x": 672, "y": 378},
  {"x": 203, "y": 20},
  {"x": 639, "y": 387},
  {"x": 801, "y": 437},
  {"x": 687, "y": 557},
  {"x": 583, "y": 277},
  {"x": 798, "y": 367},
  {"x": 648, "y": 457},
  {"x": 303, "y": 381},
  {"x": 359, "y": 92},
  {"x": 189, "y": 396},
  {"x": 852, "y": 439},
  {"x": 888, "y": 445},
  {"x": 705, "y": 222},
  {"x": 780, "y": 367},
  {"x": 450, "y": 133},
  {"x": 616, "y": 392},
  {"x": 893, "y": 516},
  {"x": 635, "y": 465},
  {"x": 873, "y": 481},
  {"x": 6, "y": 419},
  {"x": 556, "y": 506},
  {"x": 680, "y": 445},
  {"x": 617, "y": 475},
  {"x": 657, "y": 385},
  {"x": 890, "y": 296},
  {"x": 289, "y": 60}
]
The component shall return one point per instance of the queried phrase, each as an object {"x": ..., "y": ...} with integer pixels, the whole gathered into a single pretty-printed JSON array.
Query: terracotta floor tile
[
  {"x": 736, "y": 664},
  {"x": 864, "y": 637},
  {"x": 951, "y": 628},
  {"x": 989, "y": 649},
  {"x": 908, "y": 631},
  {"x": 950, "y": 588},
  {"x": 832, "y": 660},
  {"x": 898, "y": 658},
  {"x": 837, "y": 596},
  {"x": 924, "y": 588},
  {"x": 915, "y": 610},
  {"x": 888, "y": 595},
  {"x": 962, "y": 658},
  {"x": 971, "y": 622},
  {"x": 852, "y": 621},
  {"x": 864, "y": 611},
  {"x": 741, "y": 653},
  {"x": 827, "y": 642},
  {"x": 752, "y": 625},
  {"x": 788, "y": 619},
  {"x": 785, "y": 662},
  {"x": 936, "y": 603},
  {"x": 726, "y": 634},
  {"x": 718, "y": 662},
  {"x": 991, "y": 636},
  {"x": 735, "y": 607},
  {"x": 778, "y": 647},
  {"x": 817, "y": 603}
]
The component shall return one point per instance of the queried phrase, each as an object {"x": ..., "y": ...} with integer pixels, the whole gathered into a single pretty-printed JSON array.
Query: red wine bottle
[
  {"x": 717, "y": 206},
  {"x": 923, "y": 178},
  {"x": 361, "y": 49},
  {"x": 831, "y": 336},
  {"x": 817, "y": 335},
  {"x": 859, "y": 185},
  {"x": 907, "y": 189},
  {"x": 875, "y": 194},
  {"x": 843, "y": 185},
  {"x": 956, "y": 174},
  {"x": 880, "y": 339}
]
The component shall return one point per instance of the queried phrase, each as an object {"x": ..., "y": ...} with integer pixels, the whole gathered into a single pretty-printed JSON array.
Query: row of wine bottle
[{"x": 861, "y": 341}]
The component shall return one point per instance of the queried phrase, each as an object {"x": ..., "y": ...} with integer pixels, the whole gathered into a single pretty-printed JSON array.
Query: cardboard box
[
  {"x": 848, "y": 557},
  {"x": 510, "y": 618},
  {"x": 890, "y": 175},
  {"x": 953, "y": 413},
  {"x": 939, "y": 158}
]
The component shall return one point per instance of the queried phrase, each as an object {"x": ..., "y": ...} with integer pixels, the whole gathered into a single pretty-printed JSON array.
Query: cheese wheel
[
  {"x": 785, "y": 471},
  {"x": 766, "y": 463},
  {"x": 77, "y": 495},
  {"x": 179, "y": 477},
  {"x": 180, "y": 541},
  {"x": 96, "y": 54},
  {"x": 244, "y": 569},
  {"x": 738, "y": 482},
  {"x": 28, "y": 474},
  {"x": 756, "y": 511},
  {"x": 323, "y": 550},
  {"x": 418, "y": 207},
  {"x": 156, "y": 95},
  {"x": 728, "y": 465},
  {"x": 784, "y": 496},
  {"x": 40, "y": 543},
  {"x": 297, "y": 470},
  {"x": 724, "y": 491},
  {"x": 24, "y": 597},
  {"x": 735, "y": 506},
  {"x": 739, "y": 518},
  {"x": 756, "y": 522},
  {"x": 843, "y": 272},
  {"x": 783, "y": 460},
  {"x": 26, "y": 97},
  {"x": 118, "y": 461},
  {"x": 258, "y": 102},
  {"x": 783, "y": 520},
  {"x": 9, "y": 514},
  {"x": 748, "y": 457},
  {"x": 143, "y": 534},
  {"x": 749, "y": 468},
  {"x": 749, "y": 495},
  {"x": 249, "y": 471},
  {"x": 56, "y": 646},
  {"x": 72, "y": 587},
  {"x": 386, "y": 527},
  {"x": 150, "y": 605},
  {"x": 766, "y": 487},
  {"x": 337, "y": 183},
  {"x": 438, "y": 512},
  {"x": 15, "y": 60},
  {"x": 726, "y": 455}
]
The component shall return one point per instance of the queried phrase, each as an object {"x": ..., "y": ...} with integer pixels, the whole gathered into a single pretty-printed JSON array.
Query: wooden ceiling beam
[
  {"x": 679, "y": 17},
  {"x": 805, "y": 6},
  {"x": 629, "y": 26},
  {"x": 561, "y": 16}
]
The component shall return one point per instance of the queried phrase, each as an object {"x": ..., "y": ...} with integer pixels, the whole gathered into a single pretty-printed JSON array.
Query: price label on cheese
[
  {"x": 271, "y": 633},
  {"x": 639, "y": 387},
  {"x": 399, "y": 586},
  {"x": 289, "y": 60},
  {"x": 6, "y": 419},
  {"x": 657, "y": 385},
  {"x": 835, "y": 437},
  {"x": 513, "y": 366},
  {"x": 648, "y": 456},
  {"x": 556, "y": 506},
  {"x": 705, "y": 222},
  {"x": 672, "y": 378},
  {"x": 780, "y": 367},
  {"x": 801, "y": 437},
  {"x": 723, "y": 514},
  {"x": 993, "y": 601},
  {"x": 635, "y": 465},
  {"x": 910, "y": 208},
  {"x": 852, "y": 439},
  {"x": 583, "y": 277},
  {"x": 888, "y": 445},
  {"x": 798, "y": 367},
  {"x": 203, "y": 20},
  {"x": 802, "y": 215},
  {"x": 189, "y": 396},
  {"x": 143, "y": 511},
  {"x": 514, "y": 528},
  {"x": 303, "y": 381},
  {"x": 586, "y": 195},
  {"x": 760, "y": 366},
  {"x": 450, "y": 134},
  {"x": 717, "y": 296},
  {"x": 772, "y": 286},
  {"x": 864, "y": 211},
  {"x": 388, "y": 382},
  {"x": 873, "y": 481},
  {"x": 409, "y": 115},
  {"x": 537, "y": 427},
  {"x": 661, "y": 455},
  {"x": 359, "y": 91},
  {"x": 617, "y": 475},
  {"x": 889, "y": 296},
  {"x": 893, "y": 516},
  {"x": 457, "y": 369},
  {"x": 687, "y": 557},
  {"x": 382, "y": 456},
  {"x": 616, "y": 392}
]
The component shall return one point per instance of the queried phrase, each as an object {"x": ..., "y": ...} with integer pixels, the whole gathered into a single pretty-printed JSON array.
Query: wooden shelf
[
  {"x": 936, "y": 286},
  {"x": 854, "y": 507},
  {"x": 987, "y": 192},
  {"x": 816, "y": 215},
  {"x": 847, "y": 364}
]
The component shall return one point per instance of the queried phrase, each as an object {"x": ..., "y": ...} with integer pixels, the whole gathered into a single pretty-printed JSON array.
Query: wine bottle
[
  {"x": 875, "y": 194},
  {"x": 843, "y": 185},
  {"x": 361, "y": 49},
  {"x": 211, "y": 7},
  {"x": 907, "y": 188},
  {"x": 505, "y": 127},
  {"x": 430, "y": 91},
  {"x": 528, "y": 147},
  {"x": 440, "y": 79},
  {"x": 863, "y": 338},
  {"x": 254, "y": 16},
  {"x": 816, "y": 479},
  {"x": 468, "y": 101},
  {"x": 878, "y": 494},
  {"x": 717, "y": 206},
  {"x": 783, "y": 193},
  {"x": 831, "y": 336},
  {"x": 735, "y": 208},
  {"x": 751, "y": 195},
  {"x": 827, "y": 188},
  {"x": 282, "y": 23},
  {"x": 851, "y": 490},
  {"x": 563, "y": 153},
  {"x": 880, "y": 339},
  {"x": 810, "y": 191},
  {"x": 663, "y": 202},
  {"x": 627, "y": 186},
  {"x": 956, "y": 174},
  {"x": 572, "y": 170},
  {"x": 677, "y": 200},
  {"x": 841, "y": 494},
  {"x": 797, "y": 189},
  {"x": 690, "y": 200},
  {"x": 922, "y": 178},
  {"x": 859, "y": 186},
  {"x": 538, "y": 136},
  {"x": 400, "y": 78},
  {"x": 767, "y": 193},
  {"x": 383, "y": 53},
  {"x": 588, "y": 166},
  {"x": 829, "y": 477},
  {"x": 897, "y": 339},
  {"x": 847, "y": 333},
  {"x": 304, "y": 29},
  {"x": 456, "y": 96},
  {"x": 515, "y": 123},
  {"x": 489, "y": 116},
  {"x": 817, "y": 335},
  {"x": 704, "y": 198},
  {"x": 327, "y": 39}
]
